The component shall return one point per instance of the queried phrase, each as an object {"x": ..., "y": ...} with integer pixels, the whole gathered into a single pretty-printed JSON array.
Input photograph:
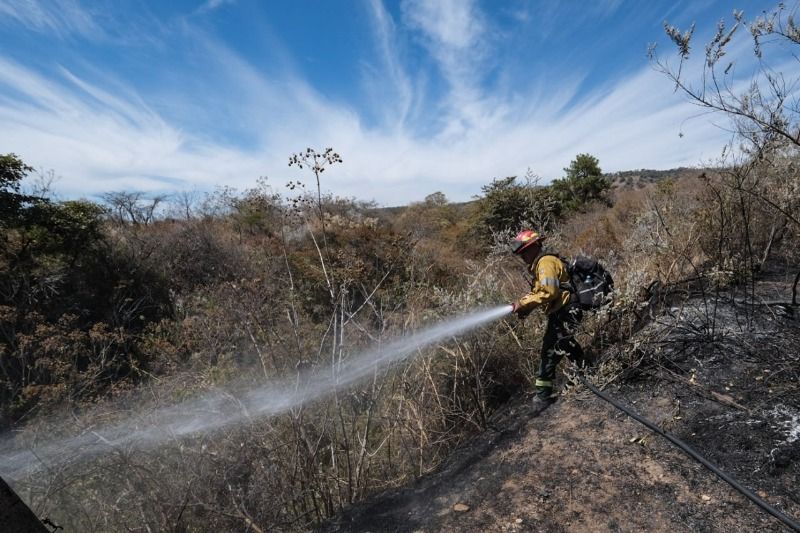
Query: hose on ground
[{"x": 788, "y": 521}]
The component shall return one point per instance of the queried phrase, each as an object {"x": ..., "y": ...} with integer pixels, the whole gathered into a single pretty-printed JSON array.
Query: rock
[
  {"x": 461, "y": 508},
  {"x": 518, "y": 521},
  {"x": 705, "y": 498}
]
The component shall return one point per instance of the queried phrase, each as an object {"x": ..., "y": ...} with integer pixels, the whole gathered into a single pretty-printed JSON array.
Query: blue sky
[{"x": 417, "y": 96}]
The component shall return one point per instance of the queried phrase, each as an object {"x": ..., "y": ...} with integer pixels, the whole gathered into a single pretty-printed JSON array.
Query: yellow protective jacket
[{"x": 549, "y": 272}]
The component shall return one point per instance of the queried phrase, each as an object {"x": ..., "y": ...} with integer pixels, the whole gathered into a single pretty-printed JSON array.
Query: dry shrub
[
  {"x": 266, "y": 301},
  {"x": 698, "y": 242},
  {"x": 316, "y": 459},
  {"x": 754, "y": 214}
]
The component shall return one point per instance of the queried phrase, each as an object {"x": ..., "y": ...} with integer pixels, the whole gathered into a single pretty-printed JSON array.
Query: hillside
[
  {"x": 178, "y": 354},
  {"x": 637, "y": 179},
  {"x": 582, "y": 465},
  {"x": 265, "y": 362},
  {"x": 622, "y": 180}
]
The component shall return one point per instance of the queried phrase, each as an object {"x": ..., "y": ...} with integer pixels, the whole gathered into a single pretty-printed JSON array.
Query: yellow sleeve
[{"x": 546, "y": 287}]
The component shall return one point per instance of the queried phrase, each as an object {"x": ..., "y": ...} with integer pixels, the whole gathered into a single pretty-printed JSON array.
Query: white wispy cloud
[
  {"x": 449, "y": 24},
  {"x": 98, "y": 142},
  {"x": 101, "y": 139},
  {"x": 398, "y": 105},
  {"x": 211, "y": 5},
  {"x": 59, "y": 17},
  {"x": 455, "y": 33}
]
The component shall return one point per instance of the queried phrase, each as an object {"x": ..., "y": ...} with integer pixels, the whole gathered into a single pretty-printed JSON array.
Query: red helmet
[{"x": 524, "y": 239}]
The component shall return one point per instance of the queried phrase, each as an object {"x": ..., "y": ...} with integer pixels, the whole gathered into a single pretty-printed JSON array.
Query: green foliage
[
  {"x": 71, "y": 300},
  {"x": 65, "y": 228},
  {"x": 257, "y": 211},
  {"x": 427, "y": 218},
  {"x": 503, "y": 204},
  {"x": 12, "y": 171},
  {"x": 584, "y": 183},
  {"x": 509, "y": 205},
  {"x": 251, "y": 292},
  {"x": 582, "y": 167},
  {"x": 437, "y": 198}
]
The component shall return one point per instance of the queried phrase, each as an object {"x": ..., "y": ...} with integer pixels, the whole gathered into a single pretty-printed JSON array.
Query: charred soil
[{"x": 719, "y": 373}]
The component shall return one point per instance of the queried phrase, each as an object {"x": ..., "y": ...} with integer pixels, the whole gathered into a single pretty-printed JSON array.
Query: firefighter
[{"x": 550, "y": 290}]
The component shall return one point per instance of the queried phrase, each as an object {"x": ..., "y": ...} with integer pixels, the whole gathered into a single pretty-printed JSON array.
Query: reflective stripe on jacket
[{"x": 549, "y": 272}]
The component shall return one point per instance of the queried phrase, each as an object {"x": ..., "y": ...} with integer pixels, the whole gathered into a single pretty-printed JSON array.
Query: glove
[{"x": 517, "y": 310}]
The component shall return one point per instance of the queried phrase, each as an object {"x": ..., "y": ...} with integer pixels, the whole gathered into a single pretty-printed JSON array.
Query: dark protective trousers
[{"x": 559, "y": 340}]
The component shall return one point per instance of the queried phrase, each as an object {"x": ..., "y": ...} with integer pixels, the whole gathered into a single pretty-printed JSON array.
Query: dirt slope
[{"x": 731, "y": 391}]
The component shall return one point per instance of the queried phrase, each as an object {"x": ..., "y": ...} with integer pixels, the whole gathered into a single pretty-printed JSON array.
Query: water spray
[{"x": 218, "y": 409}]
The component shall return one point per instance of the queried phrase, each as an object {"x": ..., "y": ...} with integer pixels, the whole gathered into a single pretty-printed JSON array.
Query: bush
[
  {"x": 508, "y": 206},
  {"x": 584, "y": 183}
]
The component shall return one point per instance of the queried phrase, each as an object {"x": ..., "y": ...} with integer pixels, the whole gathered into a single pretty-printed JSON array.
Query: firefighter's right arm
[
  {"x": 540, "y": 295},
  {"x": 545, "y": 289}
]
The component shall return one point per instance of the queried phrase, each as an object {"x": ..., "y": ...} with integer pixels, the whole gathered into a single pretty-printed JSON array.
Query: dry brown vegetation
[
  {"x": 107, "y": 316},
  {"x": 253, "y": 288},
  {"x": 252, "y": 291}
]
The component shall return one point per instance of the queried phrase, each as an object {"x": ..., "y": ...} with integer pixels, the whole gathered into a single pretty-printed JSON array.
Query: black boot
[{"x": 542, "y": 400}]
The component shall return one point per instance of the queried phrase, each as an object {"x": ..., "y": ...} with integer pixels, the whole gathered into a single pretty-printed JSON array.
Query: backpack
[{"x": 590, "y": 282}]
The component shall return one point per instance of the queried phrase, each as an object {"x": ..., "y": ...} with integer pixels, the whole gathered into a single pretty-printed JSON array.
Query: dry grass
[{"x": 258, "y": 290}]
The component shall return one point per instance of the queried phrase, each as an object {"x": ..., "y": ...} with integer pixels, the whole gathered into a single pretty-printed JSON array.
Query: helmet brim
[{"x": 517, "y": 247}]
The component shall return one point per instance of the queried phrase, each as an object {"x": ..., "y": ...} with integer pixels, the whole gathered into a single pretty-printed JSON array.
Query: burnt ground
[{"x": 723, "y": 378}]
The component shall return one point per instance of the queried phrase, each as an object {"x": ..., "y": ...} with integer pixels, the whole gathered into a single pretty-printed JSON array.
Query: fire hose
[{"x": 788, "y": 521}]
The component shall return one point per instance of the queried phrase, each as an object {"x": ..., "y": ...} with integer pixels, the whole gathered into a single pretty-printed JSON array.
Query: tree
[
  {"x": 507, "y": 205},
  {"x": 584, "y": 166},
  {"x": 584, "y": 182},
  {"x": 502, "y": 205},
  {"x": 765, "y": 110},
  {"x": 67, "y": 228},
  {"x": 258, "y": 210},
  {"x": 133, "y": 207},
  {"x": 755, "y": 196},
  {"x": 437, "y": 198},
  {"x": 764, "y": 116},
  {"x": 429, "y": 217},
  {"x": 12, "y": 171},
  {"x": 186, "y": 204}
]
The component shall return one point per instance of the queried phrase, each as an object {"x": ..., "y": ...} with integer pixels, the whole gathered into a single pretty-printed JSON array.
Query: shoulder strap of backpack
[{"x": 568, "y": 265}]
